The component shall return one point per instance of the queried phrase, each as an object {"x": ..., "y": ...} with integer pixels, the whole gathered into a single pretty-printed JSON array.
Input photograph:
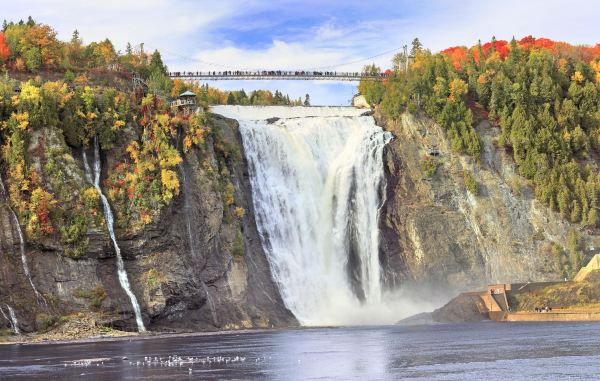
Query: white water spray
[
  {"x": 40, "y": 298},
  {"x": 122, "y": 273},
  {"x": 316, "y": 176},
  {"x": 12, "y": 319}
]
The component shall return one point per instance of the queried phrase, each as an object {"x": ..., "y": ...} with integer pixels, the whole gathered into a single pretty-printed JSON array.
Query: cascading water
[
  {"x": 38, "y": 295},
  {"x": 122, "y": 273},
  {"x": 317, "y": 176},
  {"x": 12, "y": 319}
]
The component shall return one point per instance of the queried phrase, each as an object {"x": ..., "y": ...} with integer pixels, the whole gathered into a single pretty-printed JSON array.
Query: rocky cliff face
[
  {"x": 197, "y": 268},
  {"x": 193, "y": 268},
  {"x": 436, "y": 234}
]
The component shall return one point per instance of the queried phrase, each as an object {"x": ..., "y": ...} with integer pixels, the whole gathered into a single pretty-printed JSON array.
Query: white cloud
[{"x": 157, "y": 22}]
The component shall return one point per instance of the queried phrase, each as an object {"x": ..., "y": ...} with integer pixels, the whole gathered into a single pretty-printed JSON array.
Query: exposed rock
[
  {"x": 179, "y": 284},
  {"x": 467, "y": 307},
  {"x": 360, "y": 101},
  {"x": 436, "y": 234}
]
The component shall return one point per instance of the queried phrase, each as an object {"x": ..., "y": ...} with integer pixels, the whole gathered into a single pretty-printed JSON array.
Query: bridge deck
[{"x": 304, "y": 76}]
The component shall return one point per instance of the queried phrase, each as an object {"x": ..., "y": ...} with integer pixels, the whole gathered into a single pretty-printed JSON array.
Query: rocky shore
[{"x": 550, "y": 301}]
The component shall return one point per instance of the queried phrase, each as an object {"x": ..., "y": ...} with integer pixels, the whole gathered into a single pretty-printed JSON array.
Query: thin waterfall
[
  {"x": 12, "y": 319},
  {"x": 40, "y": 298},
  {"x": 192, "y": 243},
  {"x": 317, "y": 176},
  {"x": 122, "y": 273}
]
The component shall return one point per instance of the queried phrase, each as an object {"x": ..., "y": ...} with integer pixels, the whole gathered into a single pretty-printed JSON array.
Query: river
[{"x": 475, "y": 351}]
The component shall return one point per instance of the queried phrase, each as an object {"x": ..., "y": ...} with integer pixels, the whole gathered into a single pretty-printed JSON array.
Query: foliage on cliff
[
  {"x": 57, "y": 97},
  {"x": 543, "y": 95},
  {"x": 207, "y": 95}
]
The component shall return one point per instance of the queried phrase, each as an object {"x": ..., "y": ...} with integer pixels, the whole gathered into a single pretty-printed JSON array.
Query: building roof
[{"x": 187, "y": 94}]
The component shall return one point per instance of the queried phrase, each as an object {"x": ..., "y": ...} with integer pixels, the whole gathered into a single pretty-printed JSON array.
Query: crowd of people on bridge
[{"x": 276, "y": 73}]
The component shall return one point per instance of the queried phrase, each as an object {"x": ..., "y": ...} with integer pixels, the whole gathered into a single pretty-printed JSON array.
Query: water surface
[{"x": 491, "y": 351}]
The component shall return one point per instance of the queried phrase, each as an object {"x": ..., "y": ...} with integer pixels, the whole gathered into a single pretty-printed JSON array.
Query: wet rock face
[
  {"x": 213, "y": 276},
  {"x": 435, "y": 234}
]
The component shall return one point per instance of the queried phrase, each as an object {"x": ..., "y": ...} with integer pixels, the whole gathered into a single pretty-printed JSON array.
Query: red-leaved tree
[{"x": 4, "y": 49}]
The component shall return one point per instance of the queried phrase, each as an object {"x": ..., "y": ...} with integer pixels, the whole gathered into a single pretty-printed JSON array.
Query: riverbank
[
  {"x": 77, "y": 327},
  {"x": 112, "y": 335},
  {"x": 512, "y": 302}
]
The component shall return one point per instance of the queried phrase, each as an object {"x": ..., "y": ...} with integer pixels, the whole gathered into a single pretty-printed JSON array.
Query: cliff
[
  {"x": 194, "y": 267},
  {"x": 449, "y": 223},
  {"x": 438, "y": 235}
]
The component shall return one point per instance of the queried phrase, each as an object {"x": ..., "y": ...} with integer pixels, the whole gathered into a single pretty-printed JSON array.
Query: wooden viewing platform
[
  {"x": 182, "y": 102},
  {"x": 494, "y": 302}
]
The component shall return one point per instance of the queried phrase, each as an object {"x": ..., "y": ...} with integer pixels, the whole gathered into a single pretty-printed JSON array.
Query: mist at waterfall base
[{"x": 317, "y": 180}]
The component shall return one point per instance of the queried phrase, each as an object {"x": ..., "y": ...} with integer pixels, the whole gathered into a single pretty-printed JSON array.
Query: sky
[{"x": 298, "y": 35}]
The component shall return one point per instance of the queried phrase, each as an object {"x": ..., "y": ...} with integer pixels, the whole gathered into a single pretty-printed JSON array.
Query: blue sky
[{"x": 286, "y": 34}]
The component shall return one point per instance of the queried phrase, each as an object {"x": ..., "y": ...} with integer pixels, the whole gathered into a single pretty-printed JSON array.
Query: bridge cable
[{"x": 187, "y": 58}]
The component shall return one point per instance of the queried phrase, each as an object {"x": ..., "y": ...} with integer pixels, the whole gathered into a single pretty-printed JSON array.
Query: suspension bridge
[{"x": 277, "y": 75}]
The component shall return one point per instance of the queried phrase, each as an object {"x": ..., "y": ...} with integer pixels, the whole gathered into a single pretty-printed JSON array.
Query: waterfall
[
  {"x": 317, "y": 176},
  {"x": 40, "y": 298},
  {"x": 122, "y": 273},
  {"x": 12, "y": 319},
  {"x": 192, "y": 243}
]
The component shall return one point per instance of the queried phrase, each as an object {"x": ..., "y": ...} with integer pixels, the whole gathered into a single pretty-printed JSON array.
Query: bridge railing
[
  {"x": 182, "y": 102},
  {"x": 276, "y": 74}
]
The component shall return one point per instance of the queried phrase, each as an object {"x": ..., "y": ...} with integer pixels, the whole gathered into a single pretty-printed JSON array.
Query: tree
[
  {"x": 4, "y": 49},
  {"x": 156, "y": 63},
  {"x": 416, "y": 47},
  {"x": 39, "y": 46},
  {"x": 75, "y": 40},
  {"x": 231, "y": 99},
  {"x": 307, "y": 100}
]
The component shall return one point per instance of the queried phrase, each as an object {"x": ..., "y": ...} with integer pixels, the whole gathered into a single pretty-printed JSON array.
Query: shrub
[
  {"x": 470, "y": 183},
  {"x": 95, "y": 295},
  {"x": 152, "y": 278},
  {"x": 429, "y": 165},
  {"x": 238, "y": 245}
]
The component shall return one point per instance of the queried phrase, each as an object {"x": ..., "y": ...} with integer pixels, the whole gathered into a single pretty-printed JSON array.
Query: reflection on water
[{"x": 491, "y": 351}]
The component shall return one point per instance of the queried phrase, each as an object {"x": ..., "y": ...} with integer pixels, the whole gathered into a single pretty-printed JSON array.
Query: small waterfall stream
[
  {"x": 122, "y": 273},
  {"x": 38, "y": 295},
  {"x": 12, "y": 318}
]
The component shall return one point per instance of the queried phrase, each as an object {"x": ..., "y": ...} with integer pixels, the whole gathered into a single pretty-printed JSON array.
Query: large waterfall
[
  {"x": 317, "y": 181},
  {"x": 121, "y": 272}
]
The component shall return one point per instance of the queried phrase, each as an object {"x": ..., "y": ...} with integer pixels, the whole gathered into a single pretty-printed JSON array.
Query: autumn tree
[{"x": 4, "y": 49}]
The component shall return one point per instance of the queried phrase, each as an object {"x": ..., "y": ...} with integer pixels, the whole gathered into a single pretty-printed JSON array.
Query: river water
[{"x": 475, "y": 351}]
